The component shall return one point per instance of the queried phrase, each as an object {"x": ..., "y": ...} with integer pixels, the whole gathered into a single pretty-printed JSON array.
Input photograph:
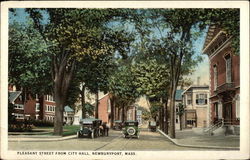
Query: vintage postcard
[{"x": 125, "y": 80}]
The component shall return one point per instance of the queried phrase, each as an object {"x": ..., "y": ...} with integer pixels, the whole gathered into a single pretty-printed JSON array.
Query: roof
[
  {"x": 195, "y": 86},
  {"x": 13, "y": 95},
  {"x": 93, "y": 103},
  {"x": 68, "y": 109},
  {"x": 178, "y": 95}
]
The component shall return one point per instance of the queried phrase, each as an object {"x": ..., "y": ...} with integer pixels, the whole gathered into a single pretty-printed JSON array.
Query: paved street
[{"x": 148, "y": 141}]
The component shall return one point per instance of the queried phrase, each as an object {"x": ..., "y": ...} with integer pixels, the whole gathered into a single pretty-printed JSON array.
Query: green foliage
[
  {"x": 29, "y": 65},
  {"x": 122, "y": 85},
  {"x": 154, "y": 109},
  {"x": 228, "y": 20},
  {"x": 42, "y": 123},
  {"x": 181, "y": 109},
  {"x": 145, "y": 113},
  {"x": 11, "y": 117},
  {"x": 151, "y": 78}
]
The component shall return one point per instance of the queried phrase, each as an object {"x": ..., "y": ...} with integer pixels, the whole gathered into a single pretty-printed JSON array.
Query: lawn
[{"x": 67, "y": 130}]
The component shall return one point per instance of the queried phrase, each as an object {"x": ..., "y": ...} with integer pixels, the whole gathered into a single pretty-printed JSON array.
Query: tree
[
  {"x": 178, "y": 49},
  {"x": 28, "y": 65},
  {"x": 121, "y": 85},
  {"x": 70, "y": 34}
]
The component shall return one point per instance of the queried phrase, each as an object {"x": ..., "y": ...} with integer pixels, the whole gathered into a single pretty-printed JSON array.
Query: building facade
[
  {"x": 33, "y": 108},
  {"x": 196, "y": 105},
  {"x": 224, "y": 78}
]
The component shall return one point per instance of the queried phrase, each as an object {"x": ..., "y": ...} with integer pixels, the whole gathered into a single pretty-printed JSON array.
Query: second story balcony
[{"x": 224, "y": 88}]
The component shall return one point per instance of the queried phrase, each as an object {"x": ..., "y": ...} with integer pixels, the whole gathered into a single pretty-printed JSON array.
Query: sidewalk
[
  {"x": 196, "y": 138},
  {"x": 38, "y": 138}
]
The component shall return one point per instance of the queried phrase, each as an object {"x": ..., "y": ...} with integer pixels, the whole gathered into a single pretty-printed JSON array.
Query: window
[
  {"x": 216, "y": 110},
  {"x": 176, "y": 120},
  {"x": 20, "y": 98},
  {"x": 49, "y": 98},
  {"x": 190, "y": 122},
  {"x": 189, "y": 98},
  {"x": 19, "y": 106},
  {"x": 176, "y": 110},
  {"x": 201, "y": 99},
  {"x": 109, "y": 106},
  {"x": 50, "y": 108},
  {"x": 37, "y": 97},
  {"x": 228, "y": 68},
  {"x": 215, "y": 77},
  {"x": 19, "y": 116},
  {"x": 37, "y": 116},
  {"x": 37, "y": 106},
  {"x": 237, "y": 103}
]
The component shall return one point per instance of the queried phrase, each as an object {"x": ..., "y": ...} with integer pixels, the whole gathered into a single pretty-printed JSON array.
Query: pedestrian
[{"x": 107, "y": 129}]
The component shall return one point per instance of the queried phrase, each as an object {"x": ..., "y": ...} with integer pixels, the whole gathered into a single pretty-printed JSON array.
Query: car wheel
[
  {"x": 131, "y": 131},
  {"x": 92, "y": 135},
  {"x": 78, "y": 134}
]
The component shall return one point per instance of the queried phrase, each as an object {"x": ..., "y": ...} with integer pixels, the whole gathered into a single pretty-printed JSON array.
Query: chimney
[{"x": 198, "y": 80}]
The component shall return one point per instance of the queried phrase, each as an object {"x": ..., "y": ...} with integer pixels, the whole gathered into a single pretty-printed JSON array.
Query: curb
[
  {"x": 195, "y": 146},
  {"x": 40, "y": 139}
]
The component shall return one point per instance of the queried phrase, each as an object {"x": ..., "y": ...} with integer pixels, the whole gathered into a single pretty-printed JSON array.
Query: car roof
[{"x": 130, "y": 121}]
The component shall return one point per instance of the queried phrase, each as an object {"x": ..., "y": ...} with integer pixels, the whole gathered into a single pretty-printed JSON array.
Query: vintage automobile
[
  {"x": 89, "y": 127},
  {"x": 117, "y": 125},
  {"x": 131, "y": 129},
  {"x": 152, "y": 126}
]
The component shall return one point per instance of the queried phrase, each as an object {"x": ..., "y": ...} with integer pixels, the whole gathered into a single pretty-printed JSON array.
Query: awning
[{"x": 191, "y": 115}]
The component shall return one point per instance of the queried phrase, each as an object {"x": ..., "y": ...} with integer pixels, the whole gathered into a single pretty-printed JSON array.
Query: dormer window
[{"x": 228, "y": 68}]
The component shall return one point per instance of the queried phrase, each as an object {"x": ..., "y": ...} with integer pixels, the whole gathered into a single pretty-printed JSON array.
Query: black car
[
  {"x": 117, "y": 125},
  {"x": 90, "y": 127},
  {"x": 152, "y": 126},
  {"x": 131, "y": 129}
]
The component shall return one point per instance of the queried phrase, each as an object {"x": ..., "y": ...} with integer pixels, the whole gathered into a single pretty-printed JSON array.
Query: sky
[{"x": 202, "y": 70}]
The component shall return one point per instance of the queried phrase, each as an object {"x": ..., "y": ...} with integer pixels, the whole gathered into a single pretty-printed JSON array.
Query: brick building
[
  {"x": 224, "y": 78},
  {"x": 15, "y": 98},
  {"x": 34, "y": 108}
]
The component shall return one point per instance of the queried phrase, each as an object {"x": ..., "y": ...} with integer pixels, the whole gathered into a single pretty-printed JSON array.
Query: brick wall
[{"x": 103, "y": 109}]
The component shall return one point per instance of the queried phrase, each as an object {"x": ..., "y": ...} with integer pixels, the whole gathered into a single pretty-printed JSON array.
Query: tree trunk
[
  {"x": 180, "y": 117},
  {"x": 118, "y": 113},
  {"x": 58, "y": 121},
  {"x": 62, "y": 75},
  {"x": 112, "y": 101},
  {"x": 83, "y": 101},
  {"x": 162, "y": 119},
  {"x": 172, "y": 112},
  {"x": 96, "y": 105},
  {"x": 41, "y": 103},
  {"x": 123, "y": 113},
  {"x": 166, "y": 116}
]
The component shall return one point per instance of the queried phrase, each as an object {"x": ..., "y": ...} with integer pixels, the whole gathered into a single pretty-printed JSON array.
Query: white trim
[
  {"x": 215, "y": 38},
  {"x": 100, "y": 98},
  {"x": 19, "y": 105},
  {"x": 223, "y": 46}
]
